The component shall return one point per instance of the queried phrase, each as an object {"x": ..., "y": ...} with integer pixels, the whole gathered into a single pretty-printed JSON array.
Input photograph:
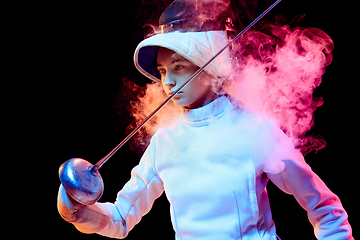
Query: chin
[{"x": 181, "y": 102}]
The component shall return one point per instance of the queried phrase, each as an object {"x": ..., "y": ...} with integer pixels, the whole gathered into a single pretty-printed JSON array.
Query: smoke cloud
[
  {"x": 274, "y": 73},
  {"x": 148, "y": 100}
]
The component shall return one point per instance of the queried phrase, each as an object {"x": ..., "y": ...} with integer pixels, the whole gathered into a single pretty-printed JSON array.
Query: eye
[
  {"x": 162, "y": 71},
  {"x": 178, "y": 67}
]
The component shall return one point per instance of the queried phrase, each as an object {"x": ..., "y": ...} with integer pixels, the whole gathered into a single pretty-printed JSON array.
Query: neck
[{"x": 203, "y": 101}]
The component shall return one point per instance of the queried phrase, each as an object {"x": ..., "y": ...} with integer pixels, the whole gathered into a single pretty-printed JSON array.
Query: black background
[{"x": 71, "y": 105}]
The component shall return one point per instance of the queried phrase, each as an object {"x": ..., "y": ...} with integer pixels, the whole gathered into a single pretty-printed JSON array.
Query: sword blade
[{"x": 128, "y": 137}]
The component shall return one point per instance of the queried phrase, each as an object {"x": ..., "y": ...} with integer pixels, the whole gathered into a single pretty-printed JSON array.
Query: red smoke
[{"x": 147, "y": 102}]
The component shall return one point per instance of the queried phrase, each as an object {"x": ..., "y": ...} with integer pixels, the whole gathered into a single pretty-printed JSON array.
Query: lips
[{"x": 177, "y": 95}]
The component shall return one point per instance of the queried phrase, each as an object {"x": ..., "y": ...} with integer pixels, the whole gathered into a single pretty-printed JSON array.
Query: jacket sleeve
[
  {"x": 133, "y": 201},
  {"x": 325, "y": 212}
]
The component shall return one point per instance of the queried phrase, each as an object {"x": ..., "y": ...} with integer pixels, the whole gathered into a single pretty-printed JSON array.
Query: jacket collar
[{"x": 207, "y": 114}]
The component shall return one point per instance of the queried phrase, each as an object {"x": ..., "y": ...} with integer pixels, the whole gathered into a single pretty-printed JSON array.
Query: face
[{"x": 175, "y": 70}]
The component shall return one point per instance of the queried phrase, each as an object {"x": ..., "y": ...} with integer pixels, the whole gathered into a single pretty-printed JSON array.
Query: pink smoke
[{"x": 276, "y": 75}]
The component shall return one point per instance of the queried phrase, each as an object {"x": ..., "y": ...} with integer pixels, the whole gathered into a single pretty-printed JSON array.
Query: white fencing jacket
[{"x": 214, "y": 165}]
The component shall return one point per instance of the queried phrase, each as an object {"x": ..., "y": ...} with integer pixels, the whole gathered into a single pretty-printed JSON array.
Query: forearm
[
  {"x": 92, "y": 219},
  {"x": 116, "y": 219},
  {"x": 324, "y": 208}
]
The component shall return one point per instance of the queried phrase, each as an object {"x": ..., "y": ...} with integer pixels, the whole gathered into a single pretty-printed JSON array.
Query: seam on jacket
[
  {"x": 175, "y": 226},
  {"x": 153, "y": 165},
  {"x": 122, "y": 219},
  {"x": 142, "y": 191},
  {"x": 237, "y": 208},
  {"x": 148, "y": 182}
]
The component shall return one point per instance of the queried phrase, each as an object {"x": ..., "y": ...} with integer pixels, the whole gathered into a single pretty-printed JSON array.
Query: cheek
[
  {"x": 202, "y": 83},
  {"x": 164, "y": 87},
  {"x": 192, "y": 88}
]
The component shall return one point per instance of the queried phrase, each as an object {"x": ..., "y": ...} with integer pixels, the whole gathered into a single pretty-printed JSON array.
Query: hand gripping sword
[{"x": 82, "y": 180}]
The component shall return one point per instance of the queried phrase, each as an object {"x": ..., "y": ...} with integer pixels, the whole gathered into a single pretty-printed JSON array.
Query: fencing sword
[{"x": 82, "y": 180}]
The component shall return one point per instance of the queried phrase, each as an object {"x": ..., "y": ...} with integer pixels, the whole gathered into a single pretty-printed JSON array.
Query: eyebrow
[{"x": 177, "y": 58}]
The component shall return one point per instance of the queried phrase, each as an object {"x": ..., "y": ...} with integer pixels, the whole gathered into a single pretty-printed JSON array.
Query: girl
[{"x": 214, "y": 163}]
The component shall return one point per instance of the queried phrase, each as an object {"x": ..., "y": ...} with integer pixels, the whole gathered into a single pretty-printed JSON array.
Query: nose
[{"x": 169, "y": 80}]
